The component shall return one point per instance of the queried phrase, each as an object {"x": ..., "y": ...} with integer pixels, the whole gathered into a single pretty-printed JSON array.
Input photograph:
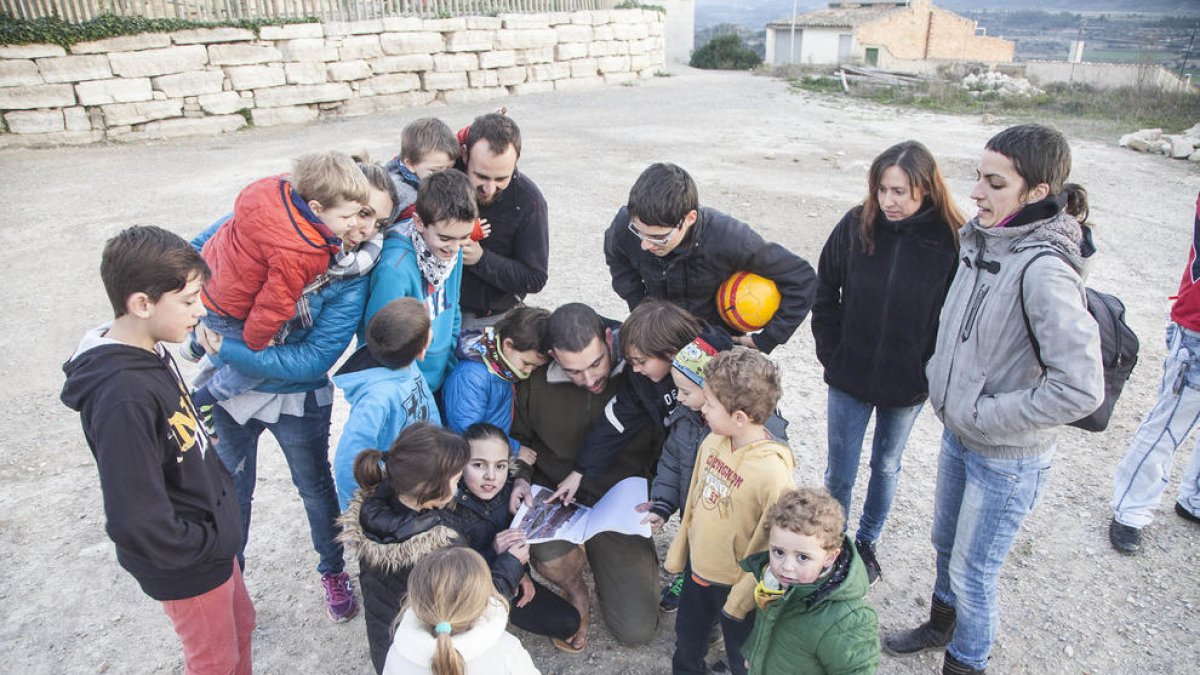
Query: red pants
[{"x": 215, "y": 628}]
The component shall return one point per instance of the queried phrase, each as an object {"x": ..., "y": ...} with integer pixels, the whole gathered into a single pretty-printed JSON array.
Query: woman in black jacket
[{"x": 882, "y": 278}]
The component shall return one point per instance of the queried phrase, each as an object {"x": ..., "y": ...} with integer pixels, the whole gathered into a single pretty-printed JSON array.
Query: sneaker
[
  {"x": 1124, "y": 538},
  {"x": 866, "y": 551},
  {"x": 339, "y": 597},
  {"x": 670, "y": 595},
  {"x": 1185, "y": 514},
  {"x": 207, "y": 419},
  {"x": 191, "y": 350}
]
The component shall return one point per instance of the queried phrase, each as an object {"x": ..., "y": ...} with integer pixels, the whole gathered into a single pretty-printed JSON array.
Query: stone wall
[
  {"x": 208, "y": 81},
  {"x": 1107, "y": 75}
]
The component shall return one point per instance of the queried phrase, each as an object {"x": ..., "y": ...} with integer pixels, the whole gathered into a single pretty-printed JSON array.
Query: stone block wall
[{"x": 208, "y": 81}]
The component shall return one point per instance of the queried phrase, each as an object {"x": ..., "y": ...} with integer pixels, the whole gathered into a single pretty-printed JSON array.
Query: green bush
[
  {"x": 53, "y": 30},
  {"x": 726, "y": 52}
]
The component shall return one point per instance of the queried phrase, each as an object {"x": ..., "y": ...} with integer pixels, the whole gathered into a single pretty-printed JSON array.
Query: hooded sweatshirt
[
  {"x": 486, "y": 647},
  {"x": 725, "y": 518},
  {"x": 169, "y": 502}
]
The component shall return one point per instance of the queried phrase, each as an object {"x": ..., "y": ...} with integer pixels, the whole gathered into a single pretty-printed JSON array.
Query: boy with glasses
[{"x": 663, "y": 244}]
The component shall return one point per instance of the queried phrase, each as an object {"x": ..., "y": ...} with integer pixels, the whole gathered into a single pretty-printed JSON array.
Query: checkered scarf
[{"x": 346, "y": 264}]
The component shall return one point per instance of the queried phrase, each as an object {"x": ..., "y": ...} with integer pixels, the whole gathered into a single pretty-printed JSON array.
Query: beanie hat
[{"x": 693, "y": 359}]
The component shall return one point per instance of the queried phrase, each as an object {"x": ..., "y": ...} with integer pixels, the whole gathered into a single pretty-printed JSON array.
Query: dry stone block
[
  {"x": 74, "y": 68},
  {"x": 224, "y": 103},
  {"x": 278, "y": 97},
  {"x": 273, "y": 117},
  {"x": 77, "y": 119},
  {"x": 511, "y": 76},
  {"x": 578, "y": 84},
  {"x": 619, "y": 78},
  {"x": 27, "y": 97},
  {"x": 202, "y": 36},
  {"x": 293, "y": 31},
  {"x": 614, "y": 64},
  {"x": 100, "y": 92},
  {"x": 402, "y": 63},
  {"x": 412, "y": 43},
  {"x": 34, "y": 121},
  {"x": 625, "y": 16},
  {"x": 526, "y": 39},
  {"x": 393, "y": 83},
  {"x": 194, "y": 126},
  {"x": 443, "y": 81},
  {"x": 360, "y": 47},
  {"x": 532, "y": 88},
  {"x": 639, "y": 62},
  {"x": 305, "y": 73},
  {"x": 630, "y": 31},
  {"x": 531, "y": 56},
  {"x": 524, "y": 21},
  {"x": 469, "y": 41},
  {"x": 656, "y": 29},
  {"x": 484, "y": 23},
  {"x": 1181, "y": 146},
  {"x": 560, "y": 18},
  {"x": 601, "y": 17},
  {"x": 256, "y": 77},
  {"x": 374, "y": 104},
  {"x": 344, "y": 71},
  {"x": 153, "y": 62},
  {"x": 365, "y": 27},
  {"x": 582, "y": 17},
  {"x": 497, "y": 59},
  {"x": 117, "y": 114},
  {"x": 445, "y": 25},
  {"x": 584, "y": 68},
  {"x": 18, "y": 72},
  {"x": 450, "y": 63},
  {"x": 603, "y": 33},
  {"x": 546, "y": 72},
  {"x": 30, "y": 51},
  {"x": 483, "y": 78},
  {"x": 308, "y": 49},
  {"x": 638, "y": 46},
  {"x": 400, "y": 24},
  {"x": 242, "y": 54},
  {"x": 460, "y": 96},
  {"x": 573, "y": 50},
  {"x": 194, "y": 83},
  {"x": 123, "y": 43},
  {"x": 574, "y": 33}
]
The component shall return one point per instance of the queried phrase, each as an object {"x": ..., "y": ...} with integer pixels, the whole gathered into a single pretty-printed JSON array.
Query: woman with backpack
[{"x": 1001, "y": 398}]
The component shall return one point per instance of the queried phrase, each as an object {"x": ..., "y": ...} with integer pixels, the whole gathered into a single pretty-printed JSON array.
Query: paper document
[{"x": 613, "y": 513}]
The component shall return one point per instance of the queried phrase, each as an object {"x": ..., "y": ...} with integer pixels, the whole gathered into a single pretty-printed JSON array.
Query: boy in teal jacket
[{"x": 812, "y": 616}]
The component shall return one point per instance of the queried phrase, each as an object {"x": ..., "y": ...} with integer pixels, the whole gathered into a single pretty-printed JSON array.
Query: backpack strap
[{"x": 1037, "y": 348}]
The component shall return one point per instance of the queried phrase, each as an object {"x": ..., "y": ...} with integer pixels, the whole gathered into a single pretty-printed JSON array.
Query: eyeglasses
[{"x": 649, "y": 239}]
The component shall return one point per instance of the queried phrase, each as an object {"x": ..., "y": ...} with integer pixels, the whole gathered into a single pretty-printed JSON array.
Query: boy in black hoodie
[{"x": 169, "y": 502}]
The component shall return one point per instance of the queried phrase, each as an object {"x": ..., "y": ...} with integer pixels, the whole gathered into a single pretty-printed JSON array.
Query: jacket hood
[
  {"x": 388, "y": 535},
  {"x": 1061, "y": 232},
  {"x": 768, "y": 448},
  {"x": 96, "y": 359},
  {"x": 361, "y": 371},
  {"x": 473, "y": 643},
  {"x": 847, "y": 581}
]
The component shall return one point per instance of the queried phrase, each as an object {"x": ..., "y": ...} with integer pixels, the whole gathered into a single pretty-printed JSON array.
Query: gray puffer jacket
[{"x": 985, "y": 382}]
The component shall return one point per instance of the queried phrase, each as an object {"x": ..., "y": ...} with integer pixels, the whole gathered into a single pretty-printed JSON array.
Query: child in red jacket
[{"x": 281, "y": 238}]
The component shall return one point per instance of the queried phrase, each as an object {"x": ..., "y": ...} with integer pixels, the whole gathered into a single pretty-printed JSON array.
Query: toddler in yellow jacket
[{"x": 739, "y": 473}]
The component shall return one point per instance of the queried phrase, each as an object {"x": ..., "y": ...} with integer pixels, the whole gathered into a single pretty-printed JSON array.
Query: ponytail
[
  {"x": 419, "y": 465},
  {"x": 449, "y": 590},
  {"x": 1077, "y": 202},
  {"x": 369, "y": 468},
  {"x": 446, "y": 659}
]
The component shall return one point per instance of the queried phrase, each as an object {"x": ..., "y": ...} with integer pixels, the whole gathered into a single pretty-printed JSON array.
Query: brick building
[{"x": 905, "y": 35}]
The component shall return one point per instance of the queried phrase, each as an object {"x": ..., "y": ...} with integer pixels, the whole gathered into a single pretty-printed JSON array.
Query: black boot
[
  {"x": 935, "y": 632},
  {"x": 952, "y": 666}
]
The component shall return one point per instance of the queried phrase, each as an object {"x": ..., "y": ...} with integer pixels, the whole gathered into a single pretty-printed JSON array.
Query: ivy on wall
[{"x": 53, "y": 30}]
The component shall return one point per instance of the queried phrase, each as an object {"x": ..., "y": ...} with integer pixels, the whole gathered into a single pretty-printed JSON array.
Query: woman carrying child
[
  {"x": 881, "y": 281},
  {"x": 398, "y": 516},
  {"x": 454, "y": 622},
  {"x": 1017, "y": 356}
]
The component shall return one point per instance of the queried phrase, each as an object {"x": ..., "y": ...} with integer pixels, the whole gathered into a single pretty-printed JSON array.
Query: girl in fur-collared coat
[{"x": 397, "y": 518}]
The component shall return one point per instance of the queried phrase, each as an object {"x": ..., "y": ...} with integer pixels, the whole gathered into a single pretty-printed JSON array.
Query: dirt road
[{"x": 788, "y": 164}]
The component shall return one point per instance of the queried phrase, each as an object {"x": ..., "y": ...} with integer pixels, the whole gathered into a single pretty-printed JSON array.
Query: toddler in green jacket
[{"x": 812, "y": 614}]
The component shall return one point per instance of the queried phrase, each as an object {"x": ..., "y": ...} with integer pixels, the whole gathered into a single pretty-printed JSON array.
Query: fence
[{"x": 330, "y": 10}]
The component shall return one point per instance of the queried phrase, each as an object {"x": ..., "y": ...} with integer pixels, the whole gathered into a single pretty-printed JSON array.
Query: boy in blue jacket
[{"x": 384, "y": 387}]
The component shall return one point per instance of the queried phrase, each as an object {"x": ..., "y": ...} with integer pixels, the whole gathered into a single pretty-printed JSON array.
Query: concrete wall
[
  {"x": 208, "y": 81},
  {"x": 814, "y": 46},
  {"x": 679, "y": 29},
  {"x": 1106, "y": 75}
]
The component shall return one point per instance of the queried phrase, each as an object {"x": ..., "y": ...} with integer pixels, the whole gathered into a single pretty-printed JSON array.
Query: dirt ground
[{"x": 789, "y": 164}]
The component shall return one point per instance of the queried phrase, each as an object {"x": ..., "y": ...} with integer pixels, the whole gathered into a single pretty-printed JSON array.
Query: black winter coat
[
  {"x": 715, "y": 248},
  {"x": 875, "y": 319}
]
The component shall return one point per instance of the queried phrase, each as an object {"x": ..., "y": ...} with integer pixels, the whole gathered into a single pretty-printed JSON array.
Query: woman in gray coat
[{"x": 1001, "y": 398}]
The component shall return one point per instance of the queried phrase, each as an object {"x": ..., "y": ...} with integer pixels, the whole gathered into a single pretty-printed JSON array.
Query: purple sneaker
[{"x": 339, "y": 597}]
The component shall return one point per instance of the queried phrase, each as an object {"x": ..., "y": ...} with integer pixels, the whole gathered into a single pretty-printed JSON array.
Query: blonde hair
[
  {"x": 328, "y": 178},
  {"x": 451, "y": 586},
  {"x": 744, "y": 379},
  {"x": 812, "y": 512}
]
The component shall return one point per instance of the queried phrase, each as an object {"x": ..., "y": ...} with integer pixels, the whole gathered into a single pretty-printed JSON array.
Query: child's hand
[
  {"x": 483, "y": 230},
  {"x": 525, "y": 591},
  {"x": 508, "y": 541},
  {"x": 472, "y": 252},
  {"x": 567, "y": 489},
  {"x": 208, "y": 338},
  {"x": 527, "y": 454},
  {"x": 655, "y": 520},
  {"x": 521, "y": 493},
  {"x": 745, "y": 341}
]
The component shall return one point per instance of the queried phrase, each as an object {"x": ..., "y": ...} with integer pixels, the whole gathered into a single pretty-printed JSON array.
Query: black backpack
[{"x": 1118, "y": 347}]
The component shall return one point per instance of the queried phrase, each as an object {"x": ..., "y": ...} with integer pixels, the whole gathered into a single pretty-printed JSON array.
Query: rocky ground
[{"x": 790, "y": 164}]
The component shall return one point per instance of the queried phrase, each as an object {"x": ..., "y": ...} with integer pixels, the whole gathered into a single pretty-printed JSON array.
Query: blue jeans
[
  {"x": 305, "y": 444},
  {"x": 978, "y": 509},
  {"x": 847, "y": 425},
  {"x": 1142, "y": 475},
  {"x": 226, "y": 382}
]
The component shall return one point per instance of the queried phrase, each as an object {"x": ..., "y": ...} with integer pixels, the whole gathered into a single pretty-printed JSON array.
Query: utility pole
[
  {"x": 792, "y": 58},
  {"x": 1187, "y": 55}
]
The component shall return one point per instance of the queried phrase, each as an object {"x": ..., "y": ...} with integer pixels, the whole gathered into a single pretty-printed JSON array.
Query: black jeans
[
  {"x": 547, "y": 614},
  {"x": 700, "y": 608}
]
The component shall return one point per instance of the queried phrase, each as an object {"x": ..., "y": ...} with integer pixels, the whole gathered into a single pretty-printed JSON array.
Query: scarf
[
  {"x": 434, "y": 269},
  {"x": 486, "y": 348},
  {"x": 346, "y": 265},
  {"x": 1039, "y": 210}
]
